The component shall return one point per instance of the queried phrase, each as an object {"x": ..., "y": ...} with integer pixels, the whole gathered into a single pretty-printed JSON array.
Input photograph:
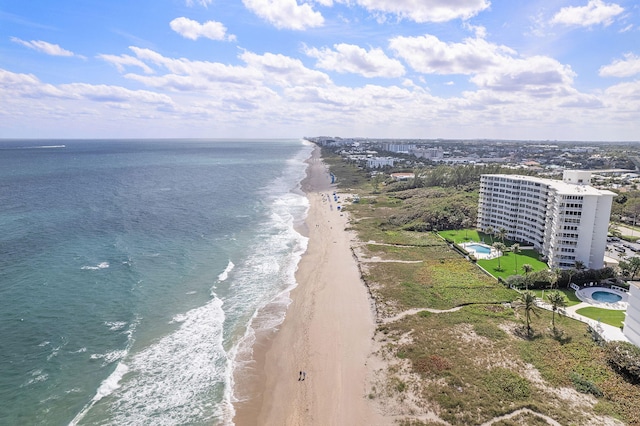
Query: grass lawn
[
  {"x": 570, "y": 295},
  {"x": 466, "y": 235},
  {"x": 606, "y": 316},
  {"x": 505, "y": 265}
]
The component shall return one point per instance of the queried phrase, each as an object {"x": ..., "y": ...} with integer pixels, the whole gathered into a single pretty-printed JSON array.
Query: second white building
[{"x": 566, "y": 221}]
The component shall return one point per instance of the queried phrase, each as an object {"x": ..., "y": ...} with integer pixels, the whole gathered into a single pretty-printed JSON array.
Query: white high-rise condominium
[{"x": 566, "y": 221}]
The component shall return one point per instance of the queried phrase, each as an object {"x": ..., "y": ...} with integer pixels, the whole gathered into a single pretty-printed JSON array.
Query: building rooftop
[{"x": 560, "y": 186}]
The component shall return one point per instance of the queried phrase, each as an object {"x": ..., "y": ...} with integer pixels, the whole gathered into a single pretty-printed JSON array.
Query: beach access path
[{"x": 327, "y": 332}]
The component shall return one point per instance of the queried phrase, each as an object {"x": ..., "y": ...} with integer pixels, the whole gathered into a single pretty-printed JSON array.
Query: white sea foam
[
  {"x": 225, "y": 274},
  {"x": 107, "y": 387},
  {"x": 269, "y": 273},
  {"x": 37, "y": 376},
  {"x": 111, "y": 383},
  {"x": 110, "y": 357},
  {"x": 174, "y": 376},
  {"x": 178, "y": 319},
  {"x": 172, "y": 381},
  {"x": 54, "y": 352},
  {"x": 102, "y": 265},
  {"x": 43, "y": 147},
  {"x": 116, "y": 325}
]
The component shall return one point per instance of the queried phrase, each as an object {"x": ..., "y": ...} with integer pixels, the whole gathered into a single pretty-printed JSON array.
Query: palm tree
[
  {"x": 501, "y": 248},
  {"x": 579, "y": 265},
  {"x": 465, "y": 224},
  {"x": 557, "y": 300},
  {"x": 527, "y": 268},
  {"x": 501, "y": 234},
  {"x": 527, "y": 301},
  {"x": 489, "y": 231},
  {"x": 515, "y": 249},
  {"x": 555, "y": 276}
]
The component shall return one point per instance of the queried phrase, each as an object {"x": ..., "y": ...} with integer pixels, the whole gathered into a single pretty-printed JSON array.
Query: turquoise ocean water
[{"x": 133, "y": 274}]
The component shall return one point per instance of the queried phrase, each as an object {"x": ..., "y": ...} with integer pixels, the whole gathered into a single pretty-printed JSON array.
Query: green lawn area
[
  {"x": 607, "y": 316},
  {"x": 466, "y": 235},
  {"x": 570, "y": 295},
  {"x": 505, "y": 265}
]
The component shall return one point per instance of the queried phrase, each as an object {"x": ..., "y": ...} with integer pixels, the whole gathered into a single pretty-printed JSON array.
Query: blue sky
[{"x": 535, "y": 69}]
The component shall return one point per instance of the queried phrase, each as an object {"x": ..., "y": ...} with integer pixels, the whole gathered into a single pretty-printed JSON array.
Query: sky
[{"x": 452, "y": 69}]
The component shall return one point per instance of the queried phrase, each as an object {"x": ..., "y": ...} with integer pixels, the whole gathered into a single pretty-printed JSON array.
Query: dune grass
[{"x": 476, "y": 363}]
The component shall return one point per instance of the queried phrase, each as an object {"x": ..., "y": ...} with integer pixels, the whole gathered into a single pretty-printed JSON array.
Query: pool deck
[
  {"x": 585, "y": 294},
  {"x": 492, "y": 255}
]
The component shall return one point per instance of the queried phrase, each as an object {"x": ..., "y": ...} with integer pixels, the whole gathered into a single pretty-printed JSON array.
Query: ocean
[{"x": 134, "y": 274}]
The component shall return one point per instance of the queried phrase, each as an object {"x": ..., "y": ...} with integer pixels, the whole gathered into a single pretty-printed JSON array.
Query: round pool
[
  {"x": 479, "y": 248},
  {"x": 606, "y": 297}
]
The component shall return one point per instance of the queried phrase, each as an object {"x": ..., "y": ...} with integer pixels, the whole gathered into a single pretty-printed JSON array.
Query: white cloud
[
  {"x": 491, "y": 66},
  {"x": 537, "y": 76},
  {"x": 189, "y": 75},
  {"x": 626, "y": 91},
  {"x": 594, "y": 13},
  {"x": 348, "y": 58},
  {"x": 260, "y": 73},
  {"x": 284, "y": 71},
  {"x": 204, "y": 3},
  {"x": 29, "y": 86},
  {"x": 44, "y": 47},
  {"x": 429, "y": 55},
  {"x": 193, "y": 30},
  {"x": 286, "y": 14},
  {"x": 427, "y": 10},
  {"x": 106, "y": 93},
  {"x": 122, "y": 60},
  {"x": 622, "y": 68}
]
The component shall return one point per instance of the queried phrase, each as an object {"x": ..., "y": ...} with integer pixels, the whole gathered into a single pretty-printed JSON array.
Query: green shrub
[
  {"x": 625, "y": 359},
  {"x": 509, "y": 386},
  {"x": 585, "y": 386}
]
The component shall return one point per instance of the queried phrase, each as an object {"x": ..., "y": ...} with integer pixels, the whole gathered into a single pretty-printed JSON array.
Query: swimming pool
[
  {"x": 478, "y": 248},
  {"x": 606, "y": 297}
]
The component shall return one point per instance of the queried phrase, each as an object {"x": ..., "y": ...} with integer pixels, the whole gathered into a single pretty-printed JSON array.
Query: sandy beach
[{"x": 327, "y": 332}]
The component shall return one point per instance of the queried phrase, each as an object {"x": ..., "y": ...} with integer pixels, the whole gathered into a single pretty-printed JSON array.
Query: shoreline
[{"x": 327, "y": 331}]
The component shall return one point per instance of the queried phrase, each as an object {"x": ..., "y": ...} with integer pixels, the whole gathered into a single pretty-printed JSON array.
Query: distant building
[
  {"x": 566, "y": 221},
  {"x": 433, "y": 154},
  {"x": 377, "y": 162},
  {"x": 403, "y": 148},
  {"x": 402, "y": 176}
]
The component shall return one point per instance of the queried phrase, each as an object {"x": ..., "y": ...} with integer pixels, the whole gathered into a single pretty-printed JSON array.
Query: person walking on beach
[{"x": 300, "y": 376}]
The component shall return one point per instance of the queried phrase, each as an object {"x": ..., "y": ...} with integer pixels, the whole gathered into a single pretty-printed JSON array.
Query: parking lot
[{"x": 619, "y": 249}]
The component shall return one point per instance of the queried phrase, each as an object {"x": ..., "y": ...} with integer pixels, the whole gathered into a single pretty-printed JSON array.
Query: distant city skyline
[{"x": 470, "y": 69}]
